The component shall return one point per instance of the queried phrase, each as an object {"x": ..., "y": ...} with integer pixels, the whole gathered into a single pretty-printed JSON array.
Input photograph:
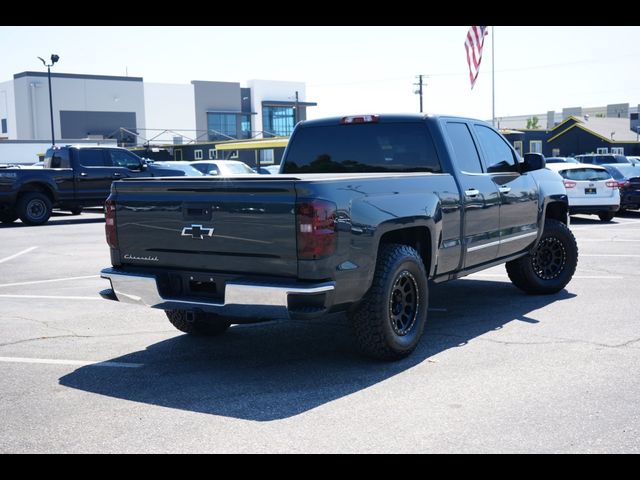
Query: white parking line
[
  {"x": 47, "y": 281},
  {"x": 80, "y": 363},
  {"x": 17, "y": 254},
  {"x": 51, "y": 297}
]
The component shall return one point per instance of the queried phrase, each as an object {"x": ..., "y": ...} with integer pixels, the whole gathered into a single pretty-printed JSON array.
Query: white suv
[{"x": 590, "y": 189}]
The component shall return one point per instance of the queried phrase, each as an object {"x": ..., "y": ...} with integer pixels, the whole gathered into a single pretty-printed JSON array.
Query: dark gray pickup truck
[{"x": 366, "y": 210}]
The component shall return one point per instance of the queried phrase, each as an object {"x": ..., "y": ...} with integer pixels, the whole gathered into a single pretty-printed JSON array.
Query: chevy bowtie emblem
[{"x": 197, "y": 231}]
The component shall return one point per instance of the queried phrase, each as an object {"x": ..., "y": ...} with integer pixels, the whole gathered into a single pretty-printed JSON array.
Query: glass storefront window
[
  {"x": 278, "y": 121},
  {"x": 221, "y": 126}
]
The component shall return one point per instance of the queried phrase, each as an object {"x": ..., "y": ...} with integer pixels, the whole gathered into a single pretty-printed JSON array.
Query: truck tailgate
[{"x": 231, "y": 225}]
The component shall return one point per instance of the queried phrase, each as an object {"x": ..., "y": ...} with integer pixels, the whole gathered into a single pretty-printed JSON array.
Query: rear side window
[
  {"x": 92, "y": 158},
  {"x": 372, "y": 147},
  {"x": 585, "y": 174},
  {"x": 56, "y": 158},
  {"x": 467, "y": 156}
]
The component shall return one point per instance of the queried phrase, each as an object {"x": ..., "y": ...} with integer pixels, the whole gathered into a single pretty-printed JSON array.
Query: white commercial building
[{"x": 135, "y": 112}]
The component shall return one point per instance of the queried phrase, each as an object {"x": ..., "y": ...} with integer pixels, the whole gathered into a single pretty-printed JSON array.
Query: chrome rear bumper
[{"x": 241, "y": 299}]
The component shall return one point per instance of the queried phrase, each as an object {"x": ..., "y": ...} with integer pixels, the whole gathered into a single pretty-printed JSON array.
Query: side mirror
[{"x": 532, "y": 161}]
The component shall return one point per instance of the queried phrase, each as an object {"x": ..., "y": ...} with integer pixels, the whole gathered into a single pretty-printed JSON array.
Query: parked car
[
  {"x": 634, "y": 160},
  {"x": 269, "y": 170},
  {"x": 590, "y": 189},
  {"x": 223, "y": 168},
  {"x": 560, "y": 160},
  {"x": 408, "y": 199},
  {"x": 628, "y": 178},
  {"x": 602, "y": 158},
  {"x": 168, "y": 169}
]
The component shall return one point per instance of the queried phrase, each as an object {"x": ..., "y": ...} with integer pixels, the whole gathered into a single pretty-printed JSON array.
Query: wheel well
[
  {"x": 37, "y": 187},
  {"x": 417, "y": 237},
  {"x": 557, "y": 211}
]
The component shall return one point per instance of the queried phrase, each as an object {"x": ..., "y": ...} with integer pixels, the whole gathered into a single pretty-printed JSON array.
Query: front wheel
[
  {"x": 389, "y": 321},
  {"x": 196, "y": 323},
  {"x": 550, "y": 267}
]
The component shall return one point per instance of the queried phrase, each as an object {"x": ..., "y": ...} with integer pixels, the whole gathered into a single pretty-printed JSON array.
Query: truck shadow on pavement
[
  {"x": 59, "y": 218},
  {"x": 276, "y": 370}
]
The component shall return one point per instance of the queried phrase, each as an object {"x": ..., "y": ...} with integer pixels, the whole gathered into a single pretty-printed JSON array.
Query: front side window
[
  {"x": 222, "y": 126},
  {"x": 120, "y": 158},
  {"x": 278, "y": 121},
  {"x": 90, "y": 157},
  {"x": 499, "y": 156}
]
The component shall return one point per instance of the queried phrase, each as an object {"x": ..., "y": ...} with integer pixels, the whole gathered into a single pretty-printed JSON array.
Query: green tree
[{"x": 533, "y": 123}]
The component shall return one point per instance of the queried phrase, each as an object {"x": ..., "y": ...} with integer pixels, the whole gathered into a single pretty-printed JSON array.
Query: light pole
[{"x": 54, "y": 59}]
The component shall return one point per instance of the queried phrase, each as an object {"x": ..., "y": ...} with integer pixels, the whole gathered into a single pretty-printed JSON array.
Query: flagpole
[{"x": 493, "y": 76}]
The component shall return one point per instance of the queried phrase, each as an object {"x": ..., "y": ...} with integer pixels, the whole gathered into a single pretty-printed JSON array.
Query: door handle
[
  {"x": 472, "y": 192},
  {"x": 116, "y": 175},
  {"x": 505, "y": 189},
  {"x": 84, "y": 174}
]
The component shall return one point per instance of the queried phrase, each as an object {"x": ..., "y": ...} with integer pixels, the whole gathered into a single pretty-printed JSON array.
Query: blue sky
[{"x": 357, "y": 69}]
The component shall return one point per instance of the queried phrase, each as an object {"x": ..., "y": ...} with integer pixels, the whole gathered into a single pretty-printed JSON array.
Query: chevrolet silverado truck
[
  {"x": 365, "y": 212},
  {"x": 72, "y": 178}
]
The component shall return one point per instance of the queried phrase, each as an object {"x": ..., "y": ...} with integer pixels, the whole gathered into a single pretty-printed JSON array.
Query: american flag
[{"x": 473, "y": 44}]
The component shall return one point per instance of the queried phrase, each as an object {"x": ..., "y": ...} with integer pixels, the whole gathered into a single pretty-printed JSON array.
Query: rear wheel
[
  {"x": 8, "y": 216},
  {"x": 550, "y": 267},
  {"x": 34, "y": 208},
  {"x": 389, "y": 321},
  {"x": 197, "y": 323},
  {"x": 606, "y": 216}
]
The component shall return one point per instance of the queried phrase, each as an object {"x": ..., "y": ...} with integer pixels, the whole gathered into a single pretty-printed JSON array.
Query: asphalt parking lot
[{"x": 497, "y": 371}]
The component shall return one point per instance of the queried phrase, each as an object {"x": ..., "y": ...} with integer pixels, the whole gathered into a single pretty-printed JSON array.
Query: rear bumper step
[{"x": 241, "y": 299}]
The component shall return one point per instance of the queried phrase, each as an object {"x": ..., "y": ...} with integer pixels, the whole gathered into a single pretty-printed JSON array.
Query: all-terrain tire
[
  {"x": 206, "y": 324},
  {"x": 550, "y": 267},
  {"x": 389, "y": 321}
]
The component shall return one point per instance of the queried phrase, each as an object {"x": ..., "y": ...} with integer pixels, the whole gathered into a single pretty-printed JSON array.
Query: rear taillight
[
  {"x": 625, "y": 184},
  {"x": 316, "y": 227},
  {"x": 569, "y": 184},
  {"x": 110, "y": 223},
  {"x": 612, "y": 184},
  {"x": 359, "y": 119}
]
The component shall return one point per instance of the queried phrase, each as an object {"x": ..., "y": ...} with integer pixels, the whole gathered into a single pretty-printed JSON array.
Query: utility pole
[
  {"x": 54, "y": 59},
  {"x": 419, "y": 91}
]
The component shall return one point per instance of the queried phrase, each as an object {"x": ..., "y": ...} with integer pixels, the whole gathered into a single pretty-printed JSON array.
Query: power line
[{"x": 465, "y": 73}]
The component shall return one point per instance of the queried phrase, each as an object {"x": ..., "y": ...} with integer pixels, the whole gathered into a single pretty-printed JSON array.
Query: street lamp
[{"x": 54, "y": 59}]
